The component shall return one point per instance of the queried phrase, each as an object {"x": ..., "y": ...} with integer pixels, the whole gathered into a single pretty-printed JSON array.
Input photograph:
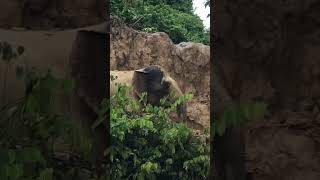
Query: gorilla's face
[{"x": 155, "y": 84}]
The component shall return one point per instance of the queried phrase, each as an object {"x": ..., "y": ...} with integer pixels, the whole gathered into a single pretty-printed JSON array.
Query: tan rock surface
[
  {"x": 187, "y": 63},
  {"x": 271, "y": 50}
]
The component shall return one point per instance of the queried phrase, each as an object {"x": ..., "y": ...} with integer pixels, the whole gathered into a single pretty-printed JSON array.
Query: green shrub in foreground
[{"x": 146, "y": 144}]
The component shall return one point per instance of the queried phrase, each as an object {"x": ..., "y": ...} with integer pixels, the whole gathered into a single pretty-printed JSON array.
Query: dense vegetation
[
  {"x": 146, "y": 144},
  {"x": 236, "y": 115},
  {"x": 30, "y": 129},
  {"x": 175, "y": 17}
]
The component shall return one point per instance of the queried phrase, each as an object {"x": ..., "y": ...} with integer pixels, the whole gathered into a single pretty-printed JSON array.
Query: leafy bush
[
  {"x": 176, "y": 18},
  {"x": 236, "y": 115},
  {"x": 29, "y": 128},
  {"x": 146, "y": 144}
]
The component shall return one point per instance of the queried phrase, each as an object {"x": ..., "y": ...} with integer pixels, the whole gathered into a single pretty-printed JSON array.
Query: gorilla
[{"x": 153, "y": 80}]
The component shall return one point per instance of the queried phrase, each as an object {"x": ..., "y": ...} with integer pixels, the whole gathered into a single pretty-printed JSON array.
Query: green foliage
[
  {"x": 22, "y": 163},
  {"x": 180, "y": 5},
  {"x": 178, "y": 25},
  {"x": 235, "y": 115},
  {"x": 146, "y": 144},
  {"x": 30, "y": 127},
  {"x": 24, "y": 123},
  {"x": 175, "y": 17},
  {"x": 33, "y": 114}
]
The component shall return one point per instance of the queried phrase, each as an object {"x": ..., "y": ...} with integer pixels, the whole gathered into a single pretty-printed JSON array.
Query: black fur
[
  {"x": 152, "y": 80},
  {"x": 155, "y": 91}
]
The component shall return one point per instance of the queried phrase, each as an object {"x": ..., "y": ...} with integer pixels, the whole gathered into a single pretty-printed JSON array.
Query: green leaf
[
  {"x": 46, "y": 174},
  {"x": 169, "y": 161},
  {"x": 31, "y": 155},
  {"x": 12, "y": 156},
  {"x": 151, "y": 141},
  {"x": 259, "y": 110},
  {"x": 140, "y": 176},
  {"x": 18, "y": 171}
]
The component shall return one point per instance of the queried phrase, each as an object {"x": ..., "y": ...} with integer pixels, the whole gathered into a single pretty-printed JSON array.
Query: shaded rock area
[
  {"x": 187, "y": 63},
  {"x": 270, "y": 50},
  {"x": 51, "y": 14}
]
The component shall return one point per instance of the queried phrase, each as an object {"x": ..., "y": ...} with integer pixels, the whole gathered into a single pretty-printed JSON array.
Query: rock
[
  {"x": 49, "y": 14},
  {"x": 186, "y": 62},
  {"x": 273, "y": 53}
]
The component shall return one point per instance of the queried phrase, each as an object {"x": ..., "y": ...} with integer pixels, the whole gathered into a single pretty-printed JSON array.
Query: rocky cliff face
[
  {"x": 188, "y": 63},
  {"x": 271, "y": 50}
]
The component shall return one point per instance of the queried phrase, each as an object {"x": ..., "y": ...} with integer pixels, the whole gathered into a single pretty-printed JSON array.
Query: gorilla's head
[
  {"x": 152, "y": 81},
  {"x": 157, "y": 84}
]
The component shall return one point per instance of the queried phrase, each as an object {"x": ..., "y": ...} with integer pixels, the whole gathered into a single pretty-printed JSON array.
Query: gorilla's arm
[{"x": 175, "y": 93}]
